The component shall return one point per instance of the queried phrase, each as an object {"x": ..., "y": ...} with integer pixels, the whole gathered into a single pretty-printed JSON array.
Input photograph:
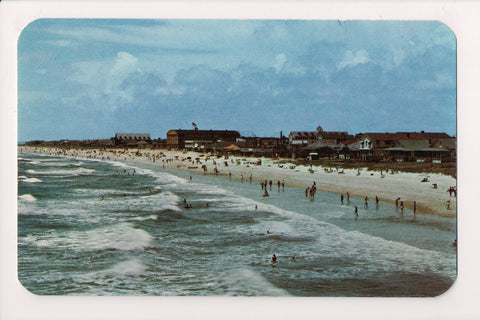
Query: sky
[{"x": 92, "y": 78}]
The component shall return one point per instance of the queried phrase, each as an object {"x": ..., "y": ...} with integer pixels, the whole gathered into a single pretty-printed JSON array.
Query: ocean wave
[
  {"x": 246, "y": 282},
  {"x": 121, "y": 236},
  {"x": 27, "y": 198},
  {"x": 29, "y": 180},
  {"x": 73, "y": 172}
]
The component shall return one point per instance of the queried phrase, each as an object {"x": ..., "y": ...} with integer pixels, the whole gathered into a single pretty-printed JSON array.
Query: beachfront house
[
  {"x": 399, "y": 146},
  {"x": 301, "y": 138},
  {"x": 425, "y": 150},
  {"x": 134, "y": 140},
  {"x": 199, "y": 139}
]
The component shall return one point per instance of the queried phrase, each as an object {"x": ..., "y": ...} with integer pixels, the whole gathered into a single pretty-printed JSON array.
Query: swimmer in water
[{"x": 274, "y": 258}]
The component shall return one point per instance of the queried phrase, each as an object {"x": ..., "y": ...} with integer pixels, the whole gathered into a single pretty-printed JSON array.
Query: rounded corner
[
  {"x": 448, "y": 27},
  {"x": 25, "y": 287},
  {"x": 27, "y": 26},
  {"x": 449, "y": 289}
]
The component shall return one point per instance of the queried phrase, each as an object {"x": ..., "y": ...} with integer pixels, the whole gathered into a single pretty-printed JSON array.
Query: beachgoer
[
  {"x": 283, "y": 185},
  {"x": 356, "y": 212},
  {"x": 454, "y": 243},
  {"x": 266, "y": 193},
  {"x": 261, "y": 184},
  {"x": 396, "y": 203},
  {"x": 366, "y": 203},
  {"x": 341, "y": 198},
  {"x": 278, "y": 185},
  {"x": 270, "y": 183},
  {"x": 256, "y": 207},
  {"x": 401, "y": 207},
  {"x": 414, "y": 207},
  {"x": 274, "y": 259},
  {"x": 208, "y": 205},
  {"x": 268, "y": 232},
  {"x": 307, "y": 192},
  {"x": 448, "y": 204}
]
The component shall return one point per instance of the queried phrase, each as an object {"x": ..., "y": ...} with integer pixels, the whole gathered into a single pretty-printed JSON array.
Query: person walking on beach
[
  {"x": 278, "y": 185},
  {"x": 356, "y": 212},
  {"x": 414, "y": 207},
  {"x": 401, "y": 207},
  {"x": 376, "y": 202},
  {"x": 348, "y": 198},
  {"x": 270, "y": 183},
  {"x": 396, "y": 203},
  {"x": 366, "y": 203},
  {"x": 307, "y": 191},
  {"x": 341, "y": 198},
  {"x": 261, "y": 184},
  {"x": 283, "y": 185}
]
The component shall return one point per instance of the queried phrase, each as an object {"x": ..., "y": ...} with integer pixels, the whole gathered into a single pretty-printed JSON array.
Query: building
[
  {"x": 131, "y": 139},
  {"x": 301, "y": 138},
  {"x": 199, "y": 139},
  {"x": 318, "y": 143},
  {"x": 399, "y": 145}
]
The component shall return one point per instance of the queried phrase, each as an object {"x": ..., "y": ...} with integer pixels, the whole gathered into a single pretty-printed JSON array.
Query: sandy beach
[{"x": 362, "y": 183}]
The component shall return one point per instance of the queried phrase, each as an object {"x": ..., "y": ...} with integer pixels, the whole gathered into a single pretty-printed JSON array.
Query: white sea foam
[
  {"x": 72, "y": 172},
  {"x": 247, "y": 282},
  {"x": 129, "y": 267},
  {"x": 29, "y": 180},
  {"x": 121, "y": 236},
  {"x": 27, "y": 198},
  {"x": 145, "y": 218}
]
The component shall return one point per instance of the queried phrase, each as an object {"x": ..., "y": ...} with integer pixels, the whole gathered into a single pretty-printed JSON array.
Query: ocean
[{"x": 101, "y": 227}]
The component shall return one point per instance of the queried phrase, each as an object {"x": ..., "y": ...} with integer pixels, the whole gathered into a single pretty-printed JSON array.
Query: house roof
[
  {"x": 382, "y": 136},
  {"x": 324, "y": 144},
  {"x": 302, "y": 134},
  {"x": 416, "y": 145}
]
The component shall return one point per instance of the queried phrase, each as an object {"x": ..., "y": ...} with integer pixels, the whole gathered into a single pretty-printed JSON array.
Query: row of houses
[
  {"x": 374, "y": 146},
  {"x": 371, "y": 146}
]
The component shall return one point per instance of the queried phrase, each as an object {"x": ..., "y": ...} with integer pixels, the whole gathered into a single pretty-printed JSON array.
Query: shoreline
[{"x": 388, "y": 187}]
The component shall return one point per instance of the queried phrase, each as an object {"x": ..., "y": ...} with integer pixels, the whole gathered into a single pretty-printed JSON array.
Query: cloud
[
  {"x": 125, "y": 64},
  {"x": 351, "y": 59}
]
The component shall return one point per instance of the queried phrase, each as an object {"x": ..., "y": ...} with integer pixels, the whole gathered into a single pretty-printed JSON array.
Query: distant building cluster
[{"x": 400, "y": 146}]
